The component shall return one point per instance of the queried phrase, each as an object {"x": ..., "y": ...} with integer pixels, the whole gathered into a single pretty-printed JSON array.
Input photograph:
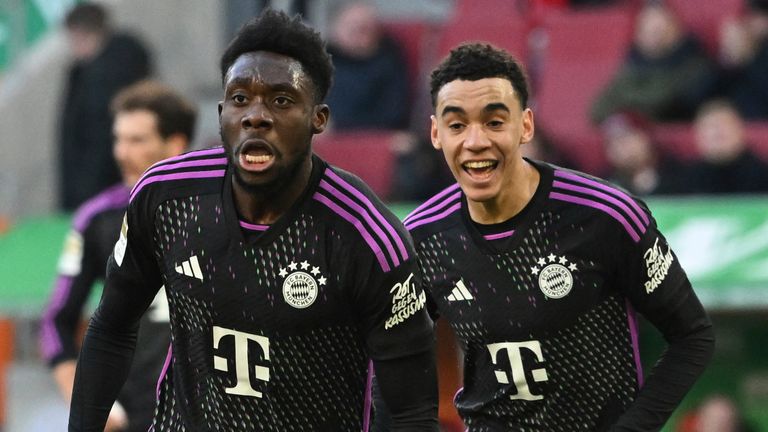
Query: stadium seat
[
  {"x": 508, "y": 31},
  {"x": 412, "y": 36},
  {"x": 757, "y": 137},
  {"x": 367, "y": 154},
  {"x": 703, "y": 18},
  {"x": 584, "y": 49}
]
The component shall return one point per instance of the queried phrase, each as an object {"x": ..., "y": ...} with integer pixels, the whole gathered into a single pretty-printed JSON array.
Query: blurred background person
[
  {"x": 726, "y": 163},
  {"x": 371, "y": 84},
  {"x": 152, "y": 123},
  {"x": 103, "y": 63},
  {"x": 743, "y": 61},
  {"x": 665, "y": 75},
  {"x": 635, "y": 162}
]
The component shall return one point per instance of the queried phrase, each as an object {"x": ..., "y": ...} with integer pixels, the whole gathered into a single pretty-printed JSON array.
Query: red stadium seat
[
  {"x": 757, "y": 137},
  {"x": 368, "y": 154},
  {"x": 508, "y": 31},
  {"x": 412, "y": 37},
  {"x": 584, "y": 50},
  {"x": 703, "y": 18}
]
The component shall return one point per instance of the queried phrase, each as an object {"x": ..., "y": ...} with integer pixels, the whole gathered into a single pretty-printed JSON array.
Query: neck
[
  {"x": 514, "y": 196},
  {"x": 267, "y": 205}
]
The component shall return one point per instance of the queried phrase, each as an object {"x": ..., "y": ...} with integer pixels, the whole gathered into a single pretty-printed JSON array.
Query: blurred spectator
[
  {"x": 635, "y": 163},
  {"x": 717, "y": 413},
  {"x": 542, "y": 148},
  {"x": 103, "y": 63},
  {"x": 743, "y": 58},
  {"x": 727, "y": 165},
  {"x": 666, "y": 74},
  {"x": 370, "y": 86},
  {"x": 420, "y": 170},
  {"x": 152, "y": 122}
]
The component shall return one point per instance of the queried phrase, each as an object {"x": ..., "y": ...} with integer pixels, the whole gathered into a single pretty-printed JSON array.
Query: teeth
[
  {"x": 479, "y": 164},
  {"x": 258, "y": 159}
]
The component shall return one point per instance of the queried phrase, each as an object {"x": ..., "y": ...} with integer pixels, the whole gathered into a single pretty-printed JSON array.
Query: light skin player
[
  {"x": 540, "y": 271},
  {"x": 151, "y": 123}
]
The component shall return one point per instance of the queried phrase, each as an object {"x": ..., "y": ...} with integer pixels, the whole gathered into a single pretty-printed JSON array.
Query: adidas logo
[
  {"x": 460, "y": 292},
  {"x": 190, "y": 268}
]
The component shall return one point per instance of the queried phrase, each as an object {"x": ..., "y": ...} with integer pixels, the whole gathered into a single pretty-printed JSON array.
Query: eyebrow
[
  {"x": 491, "y": 107},
  {"x": 246, "y": 81}
]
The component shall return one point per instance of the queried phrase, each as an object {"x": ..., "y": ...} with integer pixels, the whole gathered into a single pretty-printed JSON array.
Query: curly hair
[
  {"x": 475, "y": 61},
  {"x": 275, "y": 31}
]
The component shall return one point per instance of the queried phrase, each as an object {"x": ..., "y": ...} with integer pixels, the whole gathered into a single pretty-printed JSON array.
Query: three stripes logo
[
  {"x": 190, "y": 268},
  {"x": 460, "y": 293}
]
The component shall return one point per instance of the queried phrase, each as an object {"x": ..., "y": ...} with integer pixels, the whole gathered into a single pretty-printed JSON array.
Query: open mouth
[
  {"x": 256, "y": 156},
  {"x": 480, "y": 169}
]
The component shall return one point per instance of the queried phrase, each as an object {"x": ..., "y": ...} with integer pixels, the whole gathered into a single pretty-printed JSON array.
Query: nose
[
  {"x": 257, "y": 116},
  {"x": 476, "y": 138}
]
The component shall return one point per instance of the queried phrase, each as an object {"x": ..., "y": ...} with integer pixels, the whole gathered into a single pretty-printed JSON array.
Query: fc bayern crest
[
  {"x": 300, "y": 288},
  {"x": 555, "y": 277}
]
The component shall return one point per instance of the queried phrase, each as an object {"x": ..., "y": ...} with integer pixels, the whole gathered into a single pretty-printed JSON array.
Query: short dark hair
[
  {"x": 87, "y": 16},
  {"x": 175, "y": 114},
  {"x": 475, "y": 61},
  {"x": 276, "y": 32}
]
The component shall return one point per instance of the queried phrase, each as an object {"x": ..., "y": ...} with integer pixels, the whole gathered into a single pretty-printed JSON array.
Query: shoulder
[
  {"x": 436, "y": 214},
  {"x": 194, "y": 173},
  {"x": 112, "y": 198},
  {"x": 351, "y": 202},
  {"x": 597, "y": 196}
]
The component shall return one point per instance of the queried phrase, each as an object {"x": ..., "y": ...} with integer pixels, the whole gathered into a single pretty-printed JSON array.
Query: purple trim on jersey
[
  {"x": 190, "y": 155},
  {"x": 413, "y": 217},
  {"x": 434, "y": 199},
  {"x": 361, "y": 211},
  {"x": 368, "y": 204},
  {"x": 604, "y": 196},
  {"x": 634, "y": 334},
  {"x": 367, "y": 404},
  {"x": 612, "y": 190},
  {"x": 438, "y": 216},
  {"x": 600, "y": 206},
  {"x": 357, "y": 224},
  {"x": 50, "y": 341},
  {"x": 177, "y": 176},
  {"x": 500, "y": 235},
  {"x": 253, "y": 227},
  {"x": 166, "y": 365},
  {"x": 114, "y": 197}
]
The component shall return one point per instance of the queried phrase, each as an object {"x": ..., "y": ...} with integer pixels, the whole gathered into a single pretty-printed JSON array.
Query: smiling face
[
  {"x": 267, "y": 120},
  {"x": 479, "y": 126}
]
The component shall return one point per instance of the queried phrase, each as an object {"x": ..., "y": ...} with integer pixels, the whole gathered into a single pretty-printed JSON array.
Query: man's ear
[
  {"x": 528, "y": 126},
  {"x": 320, "y": 116},
  {"x": 433, "y": 134}
]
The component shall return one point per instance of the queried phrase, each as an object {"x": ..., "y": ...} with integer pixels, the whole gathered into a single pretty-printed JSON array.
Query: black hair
[
  {"x": 175, "y": 114},
  {"x": 475, "y": 61},
  {"x": 87, "y": 16},
  {"x": 276, "y": 32}
]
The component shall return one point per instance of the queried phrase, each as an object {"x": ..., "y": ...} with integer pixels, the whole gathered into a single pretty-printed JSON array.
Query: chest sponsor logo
[
  {"x": 244, "y": 344},
  {"x": 513, "y": 351},
  {"x": 300, "y": 287},
  {"x": 407, "y": 299},
  {"x": 555, "y": 274},
  {"x": 657, "y": 263}
]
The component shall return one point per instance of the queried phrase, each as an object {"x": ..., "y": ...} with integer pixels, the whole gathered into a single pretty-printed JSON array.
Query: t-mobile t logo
[
  {"x": 242, "y": 369},
  {"x": 514, "y": 354}
]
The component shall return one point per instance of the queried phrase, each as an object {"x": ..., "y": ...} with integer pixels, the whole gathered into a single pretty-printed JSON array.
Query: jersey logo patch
[
  {"x": 122, "y": 242},
  {"x": 300, "y": 288},
  {"x": 657, "y": 263},
  {"x": 460, "y": 292},
  {"x": 190, "y": 268},
  {"x": 407, "y": 299},
  {"x": 555, "y": 277}
]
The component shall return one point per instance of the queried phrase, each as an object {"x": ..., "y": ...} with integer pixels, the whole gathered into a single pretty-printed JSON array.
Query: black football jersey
[
  {"x": 273, "y": 327},
  {"x": 82, "y": 264},
  {"x": 543, "y": 305}
]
